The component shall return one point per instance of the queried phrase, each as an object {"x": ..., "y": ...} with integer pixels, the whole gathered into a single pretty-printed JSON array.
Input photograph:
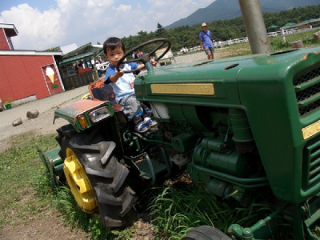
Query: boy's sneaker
[
  {"x": 146, "y": 111},
  {"x": 141, "y": 127},
  {"x": 149, "y": 123}
]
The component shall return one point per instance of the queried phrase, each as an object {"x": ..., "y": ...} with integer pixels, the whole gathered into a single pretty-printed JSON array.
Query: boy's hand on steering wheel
[
  {"x": 119, "y": 74},
  {"x": 153, "y": 62},
  {"x": 145, "y": 58}
]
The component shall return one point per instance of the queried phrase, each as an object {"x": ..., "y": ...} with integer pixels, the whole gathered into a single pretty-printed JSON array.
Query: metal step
[
  {"x": 158, "y": 167},
  {"x": 53, "y": 164}
]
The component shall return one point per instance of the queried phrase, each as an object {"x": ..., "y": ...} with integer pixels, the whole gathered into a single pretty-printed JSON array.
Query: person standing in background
[{"x": 206, "y": 41}]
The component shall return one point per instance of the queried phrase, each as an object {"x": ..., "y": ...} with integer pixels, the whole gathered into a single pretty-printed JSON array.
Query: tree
[
  {"x": 221, "y": 30},
  {"x": 160, "y": 30}
]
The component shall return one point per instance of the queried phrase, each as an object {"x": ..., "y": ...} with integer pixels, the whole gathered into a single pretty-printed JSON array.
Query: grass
[
  {"x": 74, "y": 217},
  {"x": 21, "y": 173},
  {"x": 276, "y": 44},
  {"x": 25, "y": 190},
  {"x": 175, "y": 210}
]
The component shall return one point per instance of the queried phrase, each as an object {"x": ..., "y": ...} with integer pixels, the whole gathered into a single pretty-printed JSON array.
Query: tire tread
[{"x": 109, "y": 181}]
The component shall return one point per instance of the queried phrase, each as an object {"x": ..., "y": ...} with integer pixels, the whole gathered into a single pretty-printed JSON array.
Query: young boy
[{"x": 123, "y": 84}]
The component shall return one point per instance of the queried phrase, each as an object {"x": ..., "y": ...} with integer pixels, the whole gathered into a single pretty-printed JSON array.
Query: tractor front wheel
[
  {"x": 97, "y": 184},
  {"x": 205, "y": 233}
]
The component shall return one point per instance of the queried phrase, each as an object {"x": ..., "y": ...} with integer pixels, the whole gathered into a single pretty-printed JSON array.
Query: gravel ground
[
  {"x": 43, "y": 124},
  {"x": 197, "y": 57}
]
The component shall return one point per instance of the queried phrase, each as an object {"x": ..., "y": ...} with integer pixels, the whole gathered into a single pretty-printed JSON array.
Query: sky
[{"x": 43, "y": 24}]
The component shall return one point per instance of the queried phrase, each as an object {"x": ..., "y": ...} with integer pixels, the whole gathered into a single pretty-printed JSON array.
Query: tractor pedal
[{"x": 144, "y": 168}]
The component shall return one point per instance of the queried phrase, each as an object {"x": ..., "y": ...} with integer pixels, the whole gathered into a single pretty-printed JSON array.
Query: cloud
[
  {"x": 83, "y": 21},
  {"x": 99, "y": 3},
  {"x": 168, "y": 11},
  {"x": 123, "y": 8},
  {"x": 47, "y": 32}
]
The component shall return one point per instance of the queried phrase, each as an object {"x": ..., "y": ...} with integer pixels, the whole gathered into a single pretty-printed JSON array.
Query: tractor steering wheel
[{"x": 145, "y": 58}]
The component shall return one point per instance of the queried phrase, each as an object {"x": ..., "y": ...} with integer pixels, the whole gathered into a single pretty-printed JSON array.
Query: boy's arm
[
  {"x": 116, "y": 76},
  {"x": 112, "y": 75},
  {"x": 153, "y": 62}
]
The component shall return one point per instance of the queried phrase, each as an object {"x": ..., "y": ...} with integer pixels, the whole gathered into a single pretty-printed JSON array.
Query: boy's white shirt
[{"x": 125, "y": 84}]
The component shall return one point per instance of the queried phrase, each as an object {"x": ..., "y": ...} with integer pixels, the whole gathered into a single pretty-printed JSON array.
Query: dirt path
[
  {"x": 45, "y": 226},
  {"x": 41, "y": 125},
  {"x": 48, "y": 224}
]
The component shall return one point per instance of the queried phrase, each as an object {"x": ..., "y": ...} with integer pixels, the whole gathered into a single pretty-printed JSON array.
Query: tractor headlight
[
  {"x": 99, "y": 114},
  {"x": 83, "y": 121}
]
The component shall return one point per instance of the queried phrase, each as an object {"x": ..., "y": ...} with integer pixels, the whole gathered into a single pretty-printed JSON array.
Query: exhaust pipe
[{"x": 255, "y": 26}]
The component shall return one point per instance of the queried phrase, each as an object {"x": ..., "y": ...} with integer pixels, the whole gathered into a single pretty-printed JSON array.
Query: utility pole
[{"x": 255, "y": 26}]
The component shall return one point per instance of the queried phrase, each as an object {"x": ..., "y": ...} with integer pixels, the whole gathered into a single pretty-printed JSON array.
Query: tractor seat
[{"x": 104, "y": 92}]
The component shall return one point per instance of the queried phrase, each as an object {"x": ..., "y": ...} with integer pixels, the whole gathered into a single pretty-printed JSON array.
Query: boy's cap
[{"x": 204, "y": 25}]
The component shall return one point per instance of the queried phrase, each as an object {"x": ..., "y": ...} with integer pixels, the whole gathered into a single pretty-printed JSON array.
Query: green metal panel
[
  {"x": 270, "y": 103},
  {"x": 230, "y": 162},
  {"x": 53, "y": 164},
  {"x": 222, "y": 74},
  {"x": 272, "y": 93},
  {"x": 183, "y": 142}
]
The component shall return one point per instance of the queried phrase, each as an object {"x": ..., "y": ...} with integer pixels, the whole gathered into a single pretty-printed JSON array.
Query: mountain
[{"x": 227, "y": 9}]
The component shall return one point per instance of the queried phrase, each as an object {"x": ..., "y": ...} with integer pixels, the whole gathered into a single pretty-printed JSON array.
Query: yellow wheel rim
[{"x": 79, "y": 183}]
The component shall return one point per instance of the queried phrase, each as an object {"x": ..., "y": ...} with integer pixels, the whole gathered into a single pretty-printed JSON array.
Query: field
[{"x": 276, "y": 44}]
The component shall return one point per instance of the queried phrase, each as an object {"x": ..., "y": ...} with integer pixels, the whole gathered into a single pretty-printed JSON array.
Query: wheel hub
[{"x": 79, "y": 183}]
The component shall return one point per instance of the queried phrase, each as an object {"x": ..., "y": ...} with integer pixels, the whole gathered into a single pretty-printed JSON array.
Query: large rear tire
[
  {"x": 98, "y": 181},
  {"x": 205, "y": 233}
]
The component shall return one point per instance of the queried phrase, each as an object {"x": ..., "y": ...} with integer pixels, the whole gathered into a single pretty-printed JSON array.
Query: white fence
[
  {"x": 103, "y": 66},
  {"x": 217, "y": 44}
]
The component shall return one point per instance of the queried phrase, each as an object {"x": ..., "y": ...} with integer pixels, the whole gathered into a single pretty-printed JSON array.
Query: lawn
[
  {"x": 276, "y": 44},
  {"x": 174, "y": 208}
]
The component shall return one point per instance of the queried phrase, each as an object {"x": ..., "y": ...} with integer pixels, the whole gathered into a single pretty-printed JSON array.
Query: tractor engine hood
[
  {"x": 197, "y": 83},
  {"x": 215, "y": 83}
]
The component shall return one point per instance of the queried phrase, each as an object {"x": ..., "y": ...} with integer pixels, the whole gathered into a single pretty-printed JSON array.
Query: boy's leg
[
  {"x": 133, "y": 111},
  {"x": 149, "y": 122},
  {"x": 147, "y": 112}
]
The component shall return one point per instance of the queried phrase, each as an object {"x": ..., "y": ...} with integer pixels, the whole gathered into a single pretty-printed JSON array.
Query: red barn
[{"x": 25, "y": 73}]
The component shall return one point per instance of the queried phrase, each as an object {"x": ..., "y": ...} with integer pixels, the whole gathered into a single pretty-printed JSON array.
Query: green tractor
[
  {"x": 241, "y": 126},
  {"x": 246, "y": 125}
]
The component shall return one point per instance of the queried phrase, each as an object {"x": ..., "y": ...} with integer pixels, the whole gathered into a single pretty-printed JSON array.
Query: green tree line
[{"x": 188, "y": 36}]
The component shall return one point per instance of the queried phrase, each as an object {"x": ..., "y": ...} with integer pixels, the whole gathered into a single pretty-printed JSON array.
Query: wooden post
[
  {"x": 283, "y": 36},
  {"x": 297, "y": 44},
  {"x": 316, "y": 36}
]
